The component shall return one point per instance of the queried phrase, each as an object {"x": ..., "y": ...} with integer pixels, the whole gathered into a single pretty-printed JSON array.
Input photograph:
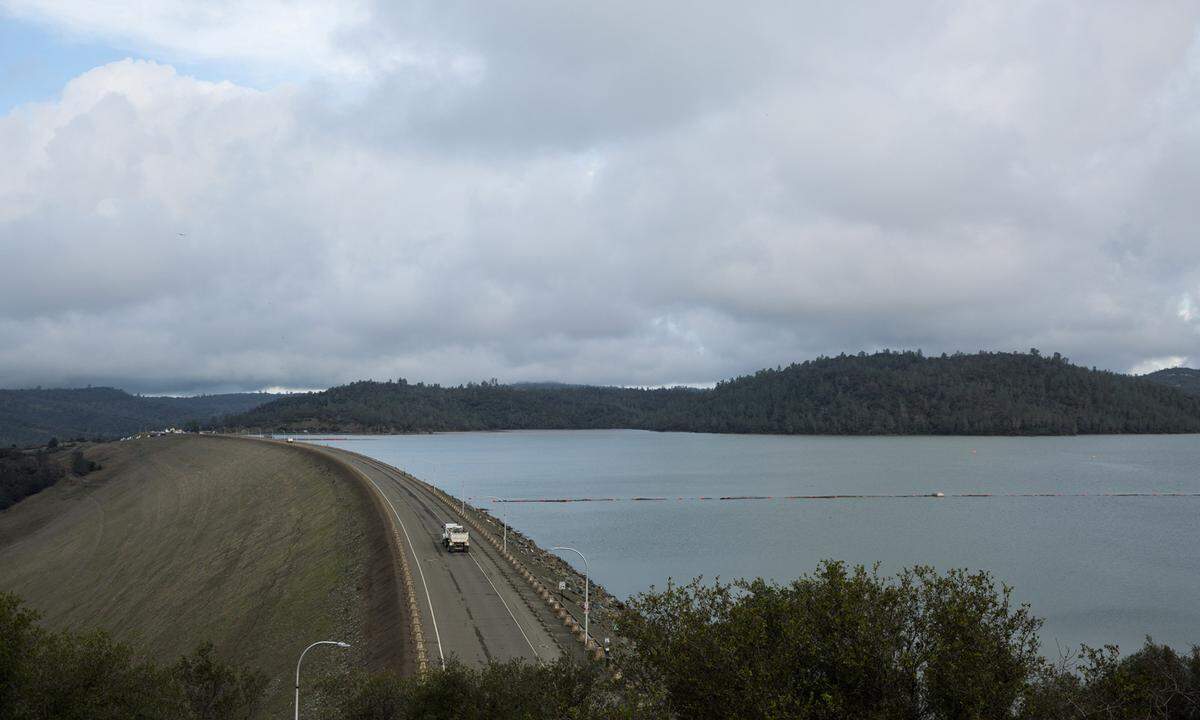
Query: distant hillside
[
  {"x": 403, "y": 407},
  {"x": 30, "y": 417},
  {"x": 1185, "y": 379},
  {"x": 885, "y": 393}
]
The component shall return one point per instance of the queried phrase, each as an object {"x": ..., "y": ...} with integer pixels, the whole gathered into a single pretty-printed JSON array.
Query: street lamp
[
  {"x": 504, "y": 519},
  {"x": 587, "y": 606},
  {"x": 462, "y": 484},
  {"x": 310, "y": 647}
]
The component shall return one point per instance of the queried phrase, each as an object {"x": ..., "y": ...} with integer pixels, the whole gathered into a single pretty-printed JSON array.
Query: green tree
[
  {"x": 841, "y": 643},
  {"x": 514, "y": 690},
  {"x": 19, "y": 638},
  {"x": 214, "y": 690},
  {"x": 91, "y": 677},
  {"x": 80, "y": 465},
  {"x": 1154, "y": 682},
  {"x": 48, "y": 675}
]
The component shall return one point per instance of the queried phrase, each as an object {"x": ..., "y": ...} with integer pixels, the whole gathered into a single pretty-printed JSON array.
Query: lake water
[{"x": 1099, "y": 568}]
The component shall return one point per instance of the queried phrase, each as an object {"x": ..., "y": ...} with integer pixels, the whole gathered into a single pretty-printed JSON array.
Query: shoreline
[{"x": 368, "y": 435}]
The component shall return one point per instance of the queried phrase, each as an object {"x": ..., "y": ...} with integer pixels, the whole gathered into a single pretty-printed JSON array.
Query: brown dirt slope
[{"x": 259, "y": 547}]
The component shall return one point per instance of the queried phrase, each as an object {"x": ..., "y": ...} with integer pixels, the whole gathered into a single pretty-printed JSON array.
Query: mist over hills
[
  {"x": 903, "y": 393},
  {"x": 29, "y": 417}
]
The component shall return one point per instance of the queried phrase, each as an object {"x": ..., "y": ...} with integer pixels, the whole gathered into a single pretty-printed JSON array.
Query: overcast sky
[{"x": 201, "y": 196}]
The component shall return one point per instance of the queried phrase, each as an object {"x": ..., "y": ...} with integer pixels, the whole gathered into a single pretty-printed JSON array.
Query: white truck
[{"x": 455, "y": 537}]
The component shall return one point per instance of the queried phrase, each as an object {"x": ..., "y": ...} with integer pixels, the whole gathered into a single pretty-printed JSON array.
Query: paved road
[{"x": 470, "y": 606}]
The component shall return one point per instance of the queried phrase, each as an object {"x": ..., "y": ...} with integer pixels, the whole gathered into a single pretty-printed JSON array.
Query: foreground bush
[
  {"x": 848, "y": 643},
  {"x": 839, "y": 644},
  {"x": 1154, "y": 682},
  {"x": 66, "y": 676},
  {"x": 512, "y": 690},
  {"x": 843, "y": 643}
]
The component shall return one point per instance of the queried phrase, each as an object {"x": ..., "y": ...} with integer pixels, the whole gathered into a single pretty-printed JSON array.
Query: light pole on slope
[
  {"x": 504, "y": 520},
  {"x": 310, "y": 647}
]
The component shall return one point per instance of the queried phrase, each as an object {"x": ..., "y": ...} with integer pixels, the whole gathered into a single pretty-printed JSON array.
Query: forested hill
[
  {"x": 29, "y": 417},
  {"x": 883, "y": 393},
  {"x": 1186, "y": 379}
]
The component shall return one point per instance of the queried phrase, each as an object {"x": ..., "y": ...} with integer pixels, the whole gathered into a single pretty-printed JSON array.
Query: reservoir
[{"x": 1099, "y": 534}]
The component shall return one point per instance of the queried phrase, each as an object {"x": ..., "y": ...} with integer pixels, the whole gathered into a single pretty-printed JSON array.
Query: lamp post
[
  {"x": 504, "y": 520},
  {"x": 587, "y": 605},
  {"x": 462, "y": 484},
  {"x": 310, "y": 647}
]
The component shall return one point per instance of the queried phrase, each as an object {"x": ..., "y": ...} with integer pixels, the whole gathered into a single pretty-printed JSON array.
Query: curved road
[{"x": 471, "y": 607}]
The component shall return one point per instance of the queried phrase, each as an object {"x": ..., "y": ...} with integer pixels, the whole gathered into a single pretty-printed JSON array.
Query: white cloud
[
  {"x": 1150, "y": 365},
  {"x": 281, "y": 37},
  {"x": 1187, "y": 309},
  {"x": 634, "y": 195}
]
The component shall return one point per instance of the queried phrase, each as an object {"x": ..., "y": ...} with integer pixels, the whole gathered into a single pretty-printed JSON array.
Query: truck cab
[{"x": 455, "y": 537}]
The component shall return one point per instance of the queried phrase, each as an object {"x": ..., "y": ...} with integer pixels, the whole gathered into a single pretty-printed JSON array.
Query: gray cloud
[{"x": 614, "y": 194}]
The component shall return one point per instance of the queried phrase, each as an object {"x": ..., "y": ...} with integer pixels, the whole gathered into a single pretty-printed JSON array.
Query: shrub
[
  {"x": 80, "y": 465},
  {"x": 71, "y": 676},
  {"x": 837, "y": 644}
]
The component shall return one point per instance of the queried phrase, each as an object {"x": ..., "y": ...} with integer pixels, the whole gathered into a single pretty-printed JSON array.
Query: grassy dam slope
[{"x": 261, "y": 548}]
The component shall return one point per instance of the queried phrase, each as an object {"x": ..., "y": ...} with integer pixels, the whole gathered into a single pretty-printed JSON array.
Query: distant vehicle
[
  {"x": 292, "y": 440},
  {"x": 455, "y": 537}
]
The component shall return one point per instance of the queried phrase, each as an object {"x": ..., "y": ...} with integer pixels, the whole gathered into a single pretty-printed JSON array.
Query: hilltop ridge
[
  {"x": 1181, "y": 378},
  {"x": 906, "y": 393},
  {"x": 33, "y": 416}
]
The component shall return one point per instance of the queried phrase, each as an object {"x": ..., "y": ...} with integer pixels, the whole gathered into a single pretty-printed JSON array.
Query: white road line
[
  {"x": 380, "y": 466},
  {"x": 506, "y": 607},
  {"x": 416, "y": 561}
]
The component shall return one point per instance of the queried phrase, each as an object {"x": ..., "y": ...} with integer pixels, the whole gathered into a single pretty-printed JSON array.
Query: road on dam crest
[{"x": 471, "y": 605}]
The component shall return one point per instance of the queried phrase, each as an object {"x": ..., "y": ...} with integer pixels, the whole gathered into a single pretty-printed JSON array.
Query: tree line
[
  {"x": 31, "y": 417},
  {"x": 841, "y": 643},
  {"x": 900, "y": 393},
  {"x": 25, "y": 473},
  {"x": 28, "y": 472}
]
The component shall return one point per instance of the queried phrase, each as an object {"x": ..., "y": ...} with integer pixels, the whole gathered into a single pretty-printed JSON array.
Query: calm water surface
[{"x": 1098, "y": 569}]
